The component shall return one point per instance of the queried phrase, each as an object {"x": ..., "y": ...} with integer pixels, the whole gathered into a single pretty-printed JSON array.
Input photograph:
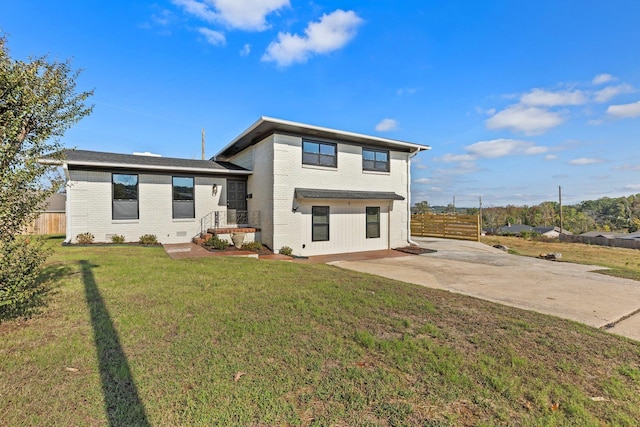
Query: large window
[
  {"x": 125, "y": 196},
  {"x": 183, "y": 203},
  {"x": 375, "y": 160},
  {"x": 319, "y": 153},
  {"x": 320, "y": 223},
  {"x": 373, "y": 222}
]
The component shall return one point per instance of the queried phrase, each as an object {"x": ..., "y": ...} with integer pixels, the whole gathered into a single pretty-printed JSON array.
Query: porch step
[{"x": 229, "y": 230}]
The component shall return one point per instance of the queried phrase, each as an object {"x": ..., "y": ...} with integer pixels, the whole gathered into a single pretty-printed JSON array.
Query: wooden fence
[
  {"x": 463, "y": 227},
  {"x": 49, "y": 223}
]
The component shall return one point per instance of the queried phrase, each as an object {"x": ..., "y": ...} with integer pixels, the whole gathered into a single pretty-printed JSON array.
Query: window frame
[
  {"x": 387, "y": 163},
  {"x": 174, "y": 200},
  {"x": 318, "y": 161},
  {"x": 377, "y": 222},
  {"x": 114, "y": 201},
  {"x": 320, "y": 224}
]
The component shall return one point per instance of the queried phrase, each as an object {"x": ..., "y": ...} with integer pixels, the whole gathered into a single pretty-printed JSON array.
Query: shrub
[
  {"x": 148, "y": 239},
  {"x": 85, "y": 238},
  {"x": 117, "y": 238},
  {"x": 22, "y": 289},
  {"x": 217, "y": 243},
  {"x": 286, "y": 250},
  {"x": 252, "y": 246}
]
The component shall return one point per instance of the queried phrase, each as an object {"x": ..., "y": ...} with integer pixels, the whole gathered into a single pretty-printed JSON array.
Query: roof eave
[
  {"x": 157, "y": 167},
  {"x": 414, "y": 148}
]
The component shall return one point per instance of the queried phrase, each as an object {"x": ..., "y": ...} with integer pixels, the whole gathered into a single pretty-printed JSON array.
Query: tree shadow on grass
[{"x": 122, "y": 403}]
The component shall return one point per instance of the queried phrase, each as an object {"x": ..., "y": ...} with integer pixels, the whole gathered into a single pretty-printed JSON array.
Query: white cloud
[
  {"x": 422, "y": 181},
  {"x": 602, "y": 78},
  {"x": 249, "y": 15},
  {"x": 215, "y": 38},
  {"x": 452, "y": 158},
  {"x": 550, "y": 157},
  {"x": 543, "y": 98},
  {"x": 603, "y": 95},
  {"x": 585, "y": 161},
  {"x": 246, "y": 50},
  {"x": 504, "y": 147},
  {"x": 628, "y": 168},
  {"x": 634, "y": 187},
  {"x": 198, "y": 9},
  {"x": 524, "y": 119},
  {"x": 331, "y": 33},
  {"x": 406, "y": 91},
  {"x": 386, "y": 125},
  {"x": 625, "y": 110}
]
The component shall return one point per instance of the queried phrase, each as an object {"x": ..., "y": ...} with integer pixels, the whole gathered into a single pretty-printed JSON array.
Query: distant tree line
[{"x": 621, "y": 214}]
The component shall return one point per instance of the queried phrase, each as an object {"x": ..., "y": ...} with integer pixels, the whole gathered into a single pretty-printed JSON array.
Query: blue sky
[{"x": 516, "y": 98}]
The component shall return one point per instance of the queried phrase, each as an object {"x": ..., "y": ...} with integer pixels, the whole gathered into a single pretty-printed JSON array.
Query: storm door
[{"x": 237, "y": 202}]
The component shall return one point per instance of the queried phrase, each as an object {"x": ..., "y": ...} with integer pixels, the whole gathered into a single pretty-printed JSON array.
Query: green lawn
[{"x": 131, "y": 337}]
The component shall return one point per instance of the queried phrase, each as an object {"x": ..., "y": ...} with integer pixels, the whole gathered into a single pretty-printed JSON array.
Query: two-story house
[{"x": 314, "y": 189}]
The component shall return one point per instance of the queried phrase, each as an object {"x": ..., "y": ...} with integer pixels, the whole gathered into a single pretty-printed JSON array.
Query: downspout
[
  {"x": 411, "y": 242},
  {"x": 67, "y": 184}
]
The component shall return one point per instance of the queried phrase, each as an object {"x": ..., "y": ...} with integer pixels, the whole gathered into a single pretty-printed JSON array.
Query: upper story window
[
  {"x": 183, "y": 197},
  {"x": 125, "y": 196},
  {"x": 375, "y": 160},
  {"x": 319, "y": 153}
]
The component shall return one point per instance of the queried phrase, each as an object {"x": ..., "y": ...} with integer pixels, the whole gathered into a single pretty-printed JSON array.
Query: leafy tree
[
  {"x": 38, "y": 103},
  {"x": 422, "y": 207}
]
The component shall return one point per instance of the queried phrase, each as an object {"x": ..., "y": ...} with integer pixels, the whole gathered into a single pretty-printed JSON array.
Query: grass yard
[
  {"x": 619, "y": 261},
  {"x": 131, "y": 337}
]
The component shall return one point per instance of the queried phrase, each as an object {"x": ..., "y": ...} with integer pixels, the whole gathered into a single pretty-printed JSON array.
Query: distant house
[
  {"x": 518, "y": 229},
  {"x": 605, "y": 238},
  {"x": 551, "y": 232},
  {"x": 314, "y": 189},
  {"x": 515, "y": 230}
]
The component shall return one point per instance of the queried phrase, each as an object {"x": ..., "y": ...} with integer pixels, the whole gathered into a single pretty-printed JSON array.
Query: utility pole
[
  {"x": 203, "y": 144},
  {"x": 560, "y": 200},
  {"x": 454, "y": 205},
  {"x": 480, "y": 210}
]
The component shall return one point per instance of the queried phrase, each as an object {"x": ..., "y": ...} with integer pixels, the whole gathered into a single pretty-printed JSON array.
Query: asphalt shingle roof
[{"x": 99, "y": 158}]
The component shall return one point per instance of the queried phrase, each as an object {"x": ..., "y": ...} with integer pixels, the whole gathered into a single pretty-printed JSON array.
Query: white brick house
[{"x": 314, "y": 189}]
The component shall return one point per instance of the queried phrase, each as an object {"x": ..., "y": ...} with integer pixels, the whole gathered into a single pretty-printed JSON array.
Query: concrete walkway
[{"x": 562, "y": 289}]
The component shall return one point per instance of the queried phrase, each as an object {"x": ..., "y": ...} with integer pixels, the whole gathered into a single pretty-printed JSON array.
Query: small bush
[
  {"x": 117, "y": 238},
  {"x": 217, "y": 243},
  {"x": 85, "y": 238},
  {"x": 286, "y": 250},
  {"x": 148, "y": 239},
  {"x": 252, "y": 246}
]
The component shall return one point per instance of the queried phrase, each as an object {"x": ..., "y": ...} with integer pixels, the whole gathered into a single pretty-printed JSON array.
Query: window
[
  {"x": 319, "y": 153},
  {"x": 125, "y": 196},
  {"x": 375, "y": 160},
  {"x": 373, "y": 222},
  {"x": 183, "y": 205},
  {"x": 320, "y": 223}
]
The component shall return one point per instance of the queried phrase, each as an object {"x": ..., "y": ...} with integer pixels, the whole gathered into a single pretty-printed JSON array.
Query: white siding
[
  {"x": 347, "y": 227},
  {"x": 293, "y": 228},
  {"x": 260, "y": 186},
  {"x": 90, "y": 207}
]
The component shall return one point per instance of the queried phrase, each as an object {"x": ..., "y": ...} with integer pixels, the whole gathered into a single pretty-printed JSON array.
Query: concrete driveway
[{"x": 562, "y": 289}]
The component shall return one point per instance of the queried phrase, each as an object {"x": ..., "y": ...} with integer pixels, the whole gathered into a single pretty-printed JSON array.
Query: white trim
[{"x": 156, "y": 167}]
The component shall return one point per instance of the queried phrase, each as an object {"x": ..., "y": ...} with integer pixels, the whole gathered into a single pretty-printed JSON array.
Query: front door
[{"x": 237, "y": 202}]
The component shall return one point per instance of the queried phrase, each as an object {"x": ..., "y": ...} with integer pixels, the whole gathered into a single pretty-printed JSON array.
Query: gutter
[
  {"x": 67, "y": 184},
  {"x": 147, "y": 167},
  {"x": 411, "y": 242}
]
